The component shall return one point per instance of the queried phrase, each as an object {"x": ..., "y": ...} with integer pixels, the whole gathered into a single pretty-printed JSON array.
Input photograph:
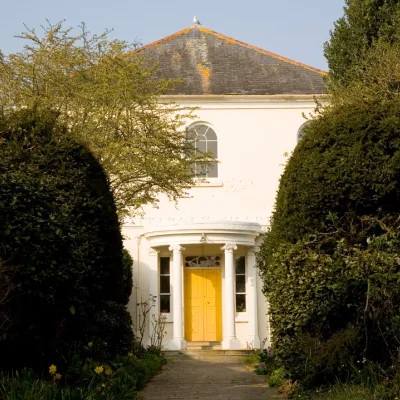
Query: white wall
[{"x": 253, "y": 138}]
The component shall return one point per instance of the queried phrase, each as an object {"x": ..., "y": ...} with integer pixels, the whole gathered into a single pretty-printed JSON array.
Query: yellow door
[{"x": 203, "y": 305}]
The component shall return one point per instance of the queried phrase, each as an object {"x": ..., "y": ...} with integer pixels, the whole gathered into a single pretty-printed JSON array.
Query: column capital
[
  {"x": 229, "y": 247},
  {"x": 176, "y": 248}
]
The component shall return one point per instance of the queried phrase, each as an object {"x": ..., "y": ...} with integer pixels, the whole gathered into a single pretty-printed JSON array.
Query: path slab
[{"x": 189, "y": 379}]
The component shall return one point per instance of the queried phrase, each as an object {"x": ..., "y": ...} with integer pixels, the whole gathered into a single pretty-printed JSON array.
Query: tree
[
  {"x": 107, "y": 96},
  {"x": 61, "y": 247},
  {"x": 364, "y": 23}
]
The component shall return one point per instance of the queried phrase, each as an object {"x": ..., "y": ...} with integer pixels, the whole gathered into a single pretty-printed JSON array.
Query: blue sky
[{"x": 295, "y": 29}]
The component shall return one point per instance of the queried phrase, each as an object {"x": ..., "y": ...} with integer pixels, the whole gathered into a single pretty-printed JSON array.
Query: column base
[
  {"x": 255, "y": 342},
  {"x": 177, "y": 344},
  {"x": 231, "y": 344}
]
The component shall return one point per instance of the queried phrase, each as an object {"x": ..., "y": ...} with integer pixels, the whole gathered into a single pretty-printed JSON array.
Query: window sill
[
  {"x": 208, "y": 182},
  {"x": 241, "y": 317},
  {"x": 168, "y": 317}
]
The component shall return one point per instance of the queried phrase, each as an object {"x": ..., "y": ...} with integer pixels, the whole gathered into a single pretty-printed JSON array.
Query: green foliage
[
  {"x": 342, "y": 392},
  {"x": 119, "y": 379},
  {"x": 330, "y": 259},
  {"x": 365, "y": 22},
  {"x": 277, "y": 377},
  {"x": 266, "y": 362},
  {"x": 107, "y": 96},
  {"x": 127, "y": 276},
  {"x": 61, "y": 244}
]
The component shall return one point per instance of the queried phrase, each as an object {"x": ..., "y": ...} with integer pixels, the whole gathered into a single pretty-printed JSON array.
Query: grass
[
  {"x": 346, "y": 392},
  {"x": 252, "y": 359}
]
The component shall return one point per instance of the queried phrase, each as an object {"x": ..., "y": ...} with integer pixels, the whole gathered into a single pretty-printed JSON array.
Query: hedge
[
  {"x": 330, "y": 261},
  {"x": 61, "y": 245}
]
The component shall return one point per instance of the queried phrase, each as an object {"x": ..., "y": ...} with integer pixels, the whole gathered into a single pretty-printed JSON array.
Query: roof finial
[{"x": 196, "y": 21}]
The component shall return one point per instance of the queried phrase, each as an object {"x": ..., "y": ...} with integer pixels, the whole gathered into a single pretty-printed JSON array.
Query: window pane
[
  {"x": 240, "y": 303},
  {"x": 165, "y": 306},
  {"x": 201, "y": 145},
  {"x": 193, "y": 168},
  {"x": 164, "y": 284},
  {"x": 240, "y": 265},
  {"x": 210, "y": 135},
  {"x": 191, "y": 135},
  {"x": 164, "y": 265},
  {"x": 240, "y": 284},
  {"x": 200, "y": 129},
  {"x": 200, "y": 170},
  {"x": 213, "y": 170},
  {"x": 212, "y": 147}
]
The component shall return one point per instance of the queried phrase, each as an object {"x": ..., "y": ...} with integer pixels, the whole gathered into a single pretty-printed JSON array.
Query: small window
[
  {"x": 205, "y": 141},
  {"x": 302, "y": 130},
  {"x": 202, "y": 262},
  {"x": 165, "y": 285},
  {"x": 240, "y": 284}
]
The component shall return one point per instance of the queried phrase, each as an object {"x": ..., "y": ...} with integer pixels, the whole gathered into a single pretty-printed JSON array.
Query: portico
[{"x": 206, "y": 283}]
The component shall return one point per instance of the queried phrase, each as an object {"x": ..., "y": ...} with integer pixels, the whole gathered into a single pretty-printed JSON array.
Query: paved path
[{"x": 189, "y": 379}]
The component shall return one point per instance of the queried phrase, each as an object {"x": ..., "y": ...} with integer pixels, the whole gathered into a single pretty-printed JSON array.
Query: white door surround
[{"x": 229, "y": 235}]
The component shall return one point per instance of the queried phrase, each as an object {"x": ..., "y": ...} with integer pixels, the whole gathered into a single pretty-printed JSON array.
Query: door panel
[
  {"x": 203, "y": 305},
  {"x": 212, "y": 305},
  {"x": 194, "y": 301}
]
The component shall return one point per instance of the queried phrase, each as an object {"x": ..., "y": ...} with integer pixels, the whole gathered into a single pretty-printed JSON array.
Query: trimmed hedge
[
  {"x": 61, "y": 242},
  {"x": 127, "y": 276},
  {"x": 329, "y": 261}
]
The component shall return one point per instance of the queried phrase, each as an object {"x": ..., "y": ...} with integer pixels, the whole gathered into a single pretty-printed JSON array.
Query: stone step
[
  {"x": 216, "y": 347},
  {"x": 223, "y": 355},
  {"x": 204, "y": 345},
  {"x": 212, "y": 343}
]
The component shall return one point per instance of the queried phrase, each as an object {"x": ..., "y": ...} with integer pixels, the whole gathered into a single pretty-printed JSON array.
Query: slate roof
[{"x": 210, "y": 63}]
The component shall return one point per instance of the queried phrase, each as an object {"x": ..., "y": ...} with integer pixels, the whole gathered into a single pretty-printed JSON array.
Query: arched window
[
  {"x": 205, "y": 141},
  {"x": 301, "y": 131}
]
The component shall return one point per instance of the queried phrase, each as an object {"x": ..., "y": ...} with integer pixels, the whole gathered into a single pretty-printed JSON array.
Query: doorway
[{"x": 203, "y": 317}]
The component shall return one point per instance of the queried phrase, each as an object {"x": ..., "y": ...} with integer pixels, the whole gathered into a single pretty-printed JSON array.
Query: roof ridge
[{"x": 231, "y": 41}]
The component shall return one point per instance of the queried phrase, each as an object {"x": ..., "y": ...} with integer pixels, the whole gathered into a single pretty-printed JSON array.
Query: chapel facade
[{"x": 197, "y": 257}]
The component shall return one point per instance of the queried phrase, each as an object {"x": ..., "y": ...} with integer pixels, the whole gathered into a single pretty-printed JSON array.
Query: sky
[{"x": 295, "y": 29}]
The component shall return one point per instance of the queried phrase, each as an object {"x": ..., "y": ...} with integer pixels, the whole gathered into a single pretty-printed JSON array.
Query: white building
[{"x": 198, "y": 257}]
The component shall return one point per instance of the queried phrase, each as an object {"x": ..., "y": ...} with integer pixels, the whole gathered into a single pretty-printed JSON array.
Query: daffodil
[
  {"x": 52, "y": 369},
  {"x": 57, "y": 376},
  {"x": 99, "y": 369}
]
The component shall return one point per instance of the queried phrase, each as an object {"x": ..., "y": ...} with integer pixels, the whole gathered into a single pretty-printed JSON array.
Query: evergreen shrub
[
  {"x": 61, "y": 243},
  {"x": 330, "y": 261}
]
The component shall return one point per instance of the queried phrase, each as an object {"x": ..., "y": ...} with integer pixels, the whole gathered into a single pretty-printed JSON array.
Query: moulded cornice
[
  {"x": 240, "y": 233},
  {"x": 220, "y": 102},
  {"x": 239, "y": 98}
]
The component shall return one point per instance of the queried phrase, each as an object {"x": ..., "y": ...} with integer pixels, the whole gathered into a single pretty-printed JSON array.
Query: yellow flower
[
  {"x": 99, "y": 369},
  {"x": 108, "y": 371},
  {"x": 90, "y": 345},
  {"x": 103, "y": 385},
  {"x": 57, "y": 376},
  {"x": 52, "y": 369},
  {"x": 130, "y": 354}
]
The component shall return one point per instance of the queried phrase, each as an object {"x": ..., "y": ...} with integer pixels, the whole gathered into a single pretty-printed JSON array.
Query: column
[
  {"x": 229, "y": 335},
  {"x": 153, "y": 289},
  {"x": 252, "y": 294},
  {"x": 178, "y": 341}
]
